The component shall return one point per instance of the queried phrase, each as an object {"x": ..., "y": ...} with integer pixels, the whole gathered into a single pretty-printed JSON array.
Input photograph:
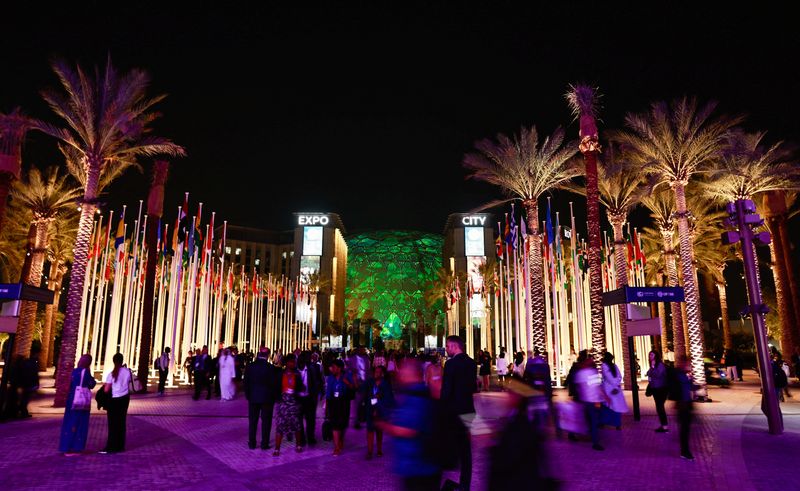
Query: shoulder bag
[{"x": 82, "y": 399}]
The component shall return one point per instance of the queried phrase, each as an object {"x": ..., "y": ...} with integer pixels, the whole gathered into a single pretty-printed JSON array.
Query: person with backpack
[
  {"x": 75, "y": 426},
  {"x": 162, "y": 365}
]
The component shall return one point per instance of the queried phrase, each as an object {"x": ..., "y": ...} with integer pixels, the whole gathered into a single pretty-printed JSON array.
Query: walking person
[
  {"x": 202, "y": 370},
  {"x": 412, "y": 427},
  {"x": 361, "y": 370},
  {"x": 29, "y": 380},
  {"x": 681, "y": 389},
  {"x": 260, "y": 389},
  {"x": 589, "y": 387},
  {"x": 118, "y": 385},
  {"x": 380, "y": 400},
  {"x": 311, "y": 376},
  {"x": 485, "y": 369},
  {"x": 658, "y": 388},
  {"x": 75, "y": 426},
  {"x": 729, "y": 360},
  {"x": 288, "y": 420},
  {"x": 337, "y": 403},
  {"x": 459, "y": 384},
  {"x": 227, "y": 375},
  {"x": 612, "y": 388},
  {"x": 163, "y": 370},
  {"x": 502, "y": 369}
]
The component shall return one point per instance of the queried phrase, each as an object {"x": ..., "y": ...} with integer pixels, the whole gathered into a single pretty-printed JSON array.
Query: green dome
[{"x": 388, "y": 272}]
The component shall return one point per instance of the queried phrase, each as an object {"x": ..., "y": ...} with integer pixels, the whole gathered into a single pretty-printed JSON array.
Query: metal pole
[
  {"x": 634, "y": 385},
  {"x": 769, "y": 402}
]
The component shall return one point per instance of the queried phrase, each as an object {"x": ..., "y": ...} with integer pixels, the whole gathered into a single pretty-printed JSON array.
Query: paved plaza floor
[{"x": 174, "y": 442}]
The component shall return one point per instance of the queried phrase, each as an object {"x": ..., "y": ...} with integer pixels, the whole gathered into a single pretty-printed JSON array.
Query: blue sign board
[
  {"x": 630, "y": 294},
  {"x": 10, "y": 291}
]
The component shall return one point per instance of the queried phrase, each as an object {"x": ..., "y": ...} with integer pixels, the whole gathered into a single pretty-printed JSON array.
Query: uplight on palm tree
[
  {"x": 108, "y": 118},
  {"x": 673, "y": 142},
  {"x": 525, "y": 168}
]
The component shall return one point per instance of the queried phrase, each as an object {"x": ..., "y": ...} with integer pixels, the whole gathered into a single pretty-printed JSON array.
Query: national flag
[
  {"x": 498, "y": 243},
  {"x": 496, "y": 284},
  {"x": 119, "y": 239},
  {"x": 637, "y": 245},
  {"x": 549, "y": 225},
  {"x": 514, "y": 229}
]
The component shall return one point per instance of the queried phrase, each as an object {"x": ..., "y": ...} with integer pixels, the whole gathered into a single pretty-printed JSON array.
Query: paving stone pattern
[{"x": 174, "y": 442}]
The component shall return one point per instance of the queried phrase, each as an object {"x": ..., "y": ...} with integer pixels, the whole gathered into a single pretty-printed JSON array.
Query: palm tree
[
  {"x": 525, "y": 168},
  {"x": 662, "y": 208},
  {"x": 713, "y": 259},
  {"x": 62, "y": 238},
  {"x": 655, "y": 272},
  {"x": 673, "y": 142},
  {"x": 13, "y": 240},
  {"x": 776, "y": 206},
  {"x": 621, "y": 188},
  {"x": 108, "y": 118},
  {"x": 582, "y": 100},
  {"x": 749, "y": 168},
  {"x": 13, "y": 127},
  {"x": 46, "y": 196}
]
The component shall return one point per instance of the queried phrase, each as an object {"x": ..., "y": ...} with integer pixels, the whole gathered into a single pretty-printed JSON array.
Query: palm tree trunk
[
  {"x": 595, "y": 266},
  {"x": 621, "y": 265},
  {"x": 782, "y": 265},
  {"x": 678, "y": 339},
  {"x": 792, "y": 290},
  {"x": 155, "y": 206},
  {"x": 693, "y": 314},
  {"x": 727, "y": 338},
  {"x": 662, "y": 317},
  {"x": 77, "y": 277},
  {"x": 28, "y": 309},
  {"x": 6, "y": 178},
  {"x": 537, "y": 313},
  {"x": 56, "y": 302},
  {"x": 48, "y": 316}
]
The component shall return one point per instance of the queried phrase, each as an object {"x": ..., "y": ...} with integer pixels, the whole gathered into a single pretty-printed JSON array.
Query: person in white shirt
[
  {"x": 589, "y": 386},
  {"x": 227, "y": 372},
  {"x": 502, "y": 369},
  {"x": 118, "y": 384}
]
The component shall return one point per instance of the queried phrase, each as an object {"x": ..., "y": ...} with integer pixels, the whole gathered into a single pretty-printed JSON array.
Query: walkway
[{"x": 177, "y": 443}]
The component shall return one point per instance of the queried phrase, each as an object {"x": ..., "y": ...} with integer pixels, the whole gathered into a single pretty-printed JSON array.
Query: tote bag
[{"x": 82, "y": 400}]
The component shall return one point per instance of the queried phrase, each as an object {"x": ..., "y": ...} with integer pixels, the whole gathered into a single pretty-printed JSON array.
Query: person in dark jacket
[
  {"x": 680, "y": 391},
  {"x": 311, "y": 374},
  {"x": 260, "y": 389},
  {"x": 202, "y": 372},
  {"x": 459, "y": 383},
  {"x": 379, "y": 398}
]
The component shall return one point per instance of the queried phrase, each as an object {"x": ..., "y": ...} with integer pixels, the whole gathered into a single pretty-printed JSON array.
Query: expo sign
[
  {"x": 313, "y": 220},
  {"x": 473, "y": 220}
]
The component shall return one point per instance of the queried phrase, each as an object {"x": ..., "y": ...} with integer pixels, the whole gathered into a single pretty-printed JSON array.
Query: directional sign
[
  {"x": 10, "y": 291},
  {"x": 19, "y": 291},
  {"x": 630, "y": 294}
]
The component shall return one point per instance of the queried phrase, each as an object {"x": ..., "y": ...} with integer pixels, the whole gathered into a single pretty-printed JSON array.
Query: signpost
[{"x": 639, "y": 322}]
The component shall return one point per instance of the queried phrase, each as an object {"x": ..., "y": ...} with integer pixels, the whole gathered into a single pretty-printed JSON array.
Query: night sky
[{"x": 368, "y": 111}]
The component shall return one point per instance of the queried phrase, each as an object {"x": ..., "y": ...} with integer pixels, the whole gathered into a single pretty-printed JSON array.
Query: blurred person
[
  {"x": 28, "y": 379},
  {"x": 796, "y": 362},
  {"x": 589, "y": 388},
  {"x": 163, "y": 370},
  {"x": 75, "y": 426},
  {"x": 780, "y": 377},
  {"x": 537, "y": 376},
  {"x": 657, "y": 387},
  {"x": 202, "y": 369},
  {"x": 117, "y": 384},
  {"x": 519, "y": 364},
  {"x": 412, "y": 429},
  {"x": 612, "y": 388},
  {"x": 502, "y": 369},
  {"x": 518, "y": 460},
  {"x": 380, "y": 401},
  {"x": 226, "y": 375},
  {"x": 485, "y": 370},
  {"x": 681, "y": 388},
  {"x": 188, "y": 365},
  {"x": 288, "y": 420},
  {"x": 459, "y": 384},
  {"x": 379, "y": 359},
  {"x": 337, "y": 404},
  {"x": 729, "y": 360},
  {"x": 360, "y": 366}
]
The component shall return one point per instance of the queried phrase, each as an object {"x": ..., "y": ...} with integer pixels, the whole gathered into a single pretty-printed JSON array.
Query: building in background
[
  {"x": 468, "y": 257},
  {"x": 266, "y": 251}
]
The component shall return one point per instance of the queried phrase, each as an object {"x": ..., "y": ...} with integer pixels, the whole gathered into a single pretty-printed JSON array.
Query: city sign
[
  {"x": 473, "y": 220},
  {"x": 313, "y": 220}
]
